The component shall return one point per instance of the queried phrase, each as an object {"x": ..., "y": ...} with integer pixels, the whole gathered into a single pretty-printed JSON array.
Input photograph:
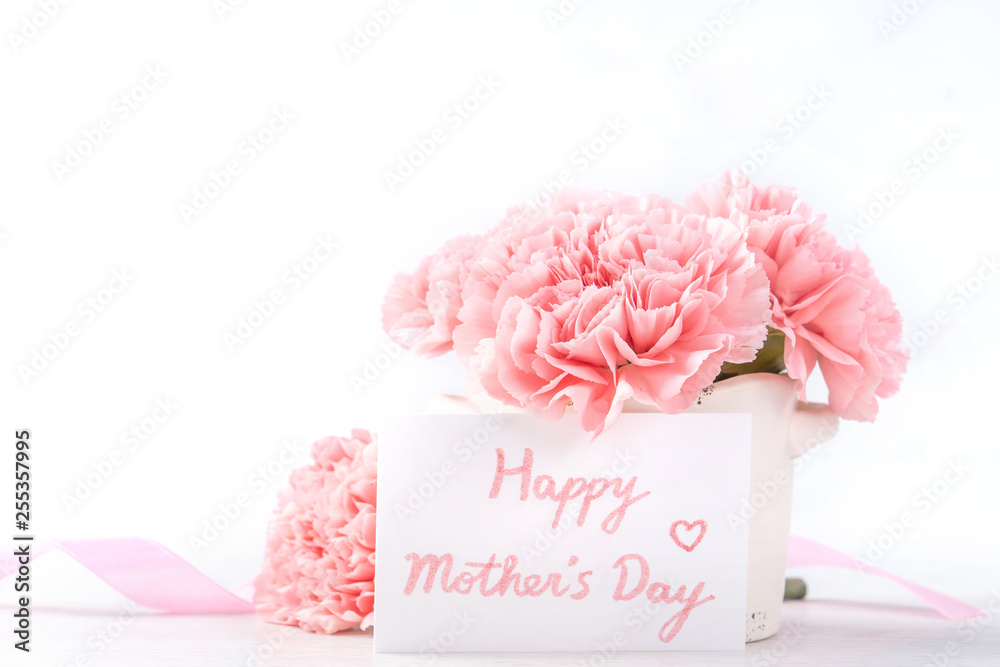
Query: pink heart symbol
[{"x": 687, "y": 544}]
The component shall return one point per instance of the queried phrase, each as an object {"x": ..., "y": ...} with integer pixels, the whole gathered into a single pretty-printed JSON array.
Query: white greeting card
[{"x": 509, "y": 533}]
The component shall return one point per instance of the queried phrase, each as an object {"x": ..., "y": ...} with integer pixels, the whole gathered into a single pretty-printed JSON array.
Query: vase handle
[{"x": 811, "y": 424}]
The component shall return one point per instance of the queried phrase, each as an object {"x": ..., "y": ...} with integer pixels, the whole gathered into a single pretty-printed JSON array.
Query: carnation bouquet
[
  {"x": 600, "y": 297},
  {"x": 595, "y": 300}
]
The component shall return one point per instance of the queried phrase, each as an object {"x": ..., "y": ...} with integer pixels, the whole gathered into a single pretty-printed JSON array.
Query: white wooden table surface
[{"x": 814, "y": 632}]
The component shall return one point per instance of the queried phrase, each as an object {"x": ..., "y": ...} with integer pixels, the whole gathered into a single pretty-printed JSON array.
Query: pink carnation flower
[
  {"x": 538, "y": 229},
  {"x": 420, "y": 309},
  {"x": 610, "y": 299},
  {"x": 319, "y": 568},
  {"x": 827, "y": 301}
]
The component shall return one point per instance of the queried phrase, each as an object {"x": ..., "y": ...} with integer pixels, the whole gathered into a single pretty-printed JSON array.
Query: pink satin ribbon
[
  {"x": 804, "y": 553},
  {"x": 147, "y": 573},
  {"x": 151, "y": 575}
]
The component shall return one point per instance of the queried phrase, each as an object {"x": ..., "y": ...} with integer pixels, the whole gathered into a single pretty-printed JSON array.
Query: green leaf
[{"x": 770, "y": 358}]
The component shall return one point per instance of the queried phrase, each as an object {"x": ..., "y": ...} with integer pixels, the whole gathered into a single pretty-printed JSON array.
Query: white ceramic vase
[{"x": 783, "y": 429}]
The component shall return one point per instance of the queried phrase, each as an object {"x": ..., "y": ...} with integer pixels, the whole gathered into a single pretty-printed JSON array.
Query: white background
[{"x": 163, "y": 336}]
